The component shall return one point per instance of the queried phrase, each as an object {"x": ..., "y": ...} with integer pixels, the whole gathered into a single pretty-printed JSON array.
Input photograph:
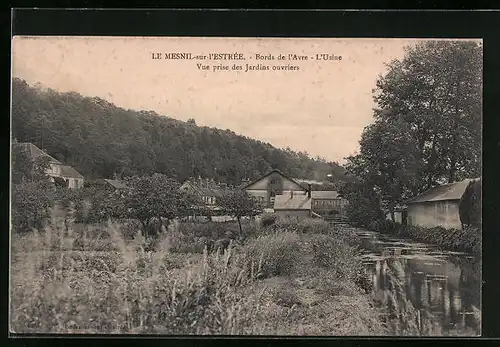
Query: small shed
[
  {"x": 437, "y": 206},
  {"x": 297, "y": 206}
]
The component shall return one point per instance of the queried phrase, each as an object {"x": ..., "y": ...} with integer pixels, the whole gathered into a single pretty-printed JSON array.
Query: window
[{"x": 275, "y": 181}]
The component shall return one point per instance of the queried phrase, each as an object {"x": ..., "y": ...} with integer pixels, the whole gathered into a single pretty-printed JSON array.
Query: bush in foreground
[{"x": 273, "y": 254}]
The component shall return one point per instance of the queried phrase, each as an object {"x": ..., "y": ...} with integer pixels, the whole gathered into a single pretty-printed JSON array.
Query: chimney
[{"x": 309, "y": 189}]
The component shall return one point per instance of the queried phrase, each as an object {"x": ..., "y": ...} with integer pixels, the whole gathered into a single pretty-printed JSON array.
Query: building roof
[
  {"x": 450, "y": 191},
  {"x": 270, "y": 172},
  {"x": 324, "y": 194},
  {"x": 68, "y": 171},
  {"x": 303, "y": 181},
  {"x": 287, "y": 202},
  {"x": 115, "y": 183},
  {"x": 35, "y": 152},
  {"x": 204, "y": 187}
]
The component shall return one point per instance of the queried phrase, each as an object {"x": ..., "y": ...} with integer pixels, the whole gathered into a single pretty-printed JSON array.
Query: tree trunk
[
  {"x": 391, "y": 211},
  {"x": 451, "y": 172},
  {"x": 160, "y": 225},
  {"x": 239, "y": 224},
  {"x": 145, "y": 224}
]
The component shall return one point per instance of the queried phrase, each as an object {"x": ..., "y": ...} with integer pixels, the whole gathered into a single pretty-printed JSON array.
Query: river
[{"x": 443, "y": 287}]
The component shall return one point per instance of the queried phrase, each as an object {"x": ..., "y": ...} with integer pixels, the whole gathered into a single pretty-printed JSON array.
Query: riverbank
[
  {"x": 423, "y": 290},
  {"x": 460, "y": 240},
  {"x": 284, "y": 279}
]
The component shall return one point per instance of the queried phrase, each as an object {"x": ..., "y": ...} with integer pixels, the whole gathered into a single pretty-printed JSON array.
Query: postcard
[{"x": 246, "y": 186}]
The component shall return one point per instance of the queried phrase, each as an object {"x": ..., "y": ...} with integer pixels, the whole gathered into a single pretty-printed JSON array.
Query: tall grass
[
  {"x": 123, "y": 289},
  {"x": 91, "y": 279}
]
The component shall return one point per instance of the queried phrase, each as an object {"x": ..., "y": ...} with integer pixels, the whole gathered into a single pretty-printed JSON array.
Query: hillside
[{"x": 100, "y": 139}]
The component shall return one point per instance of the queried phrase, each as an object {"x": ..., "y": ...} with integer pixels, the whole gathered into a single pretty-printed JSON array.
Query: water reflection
[{"x": 442, "y": 286}]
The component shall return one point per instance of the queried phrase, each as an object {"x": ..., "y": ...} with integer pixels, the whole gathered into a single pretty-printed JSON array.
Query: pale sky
[{"x": 321, "y": 108}]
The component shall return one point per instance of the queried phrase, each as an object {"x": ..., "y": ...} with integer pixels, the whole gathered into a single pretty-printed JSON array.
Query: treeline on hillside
[{"x": 100, "y": 140}]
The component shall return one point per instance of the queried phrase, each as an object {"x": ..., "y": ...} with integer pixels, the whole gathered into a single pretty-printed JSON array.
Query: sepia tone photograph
[{"x": 246, "y": 186}]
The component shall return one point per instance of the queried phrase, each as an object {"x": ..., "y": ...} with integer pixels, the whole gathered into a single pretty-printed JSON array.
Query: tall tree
[
  {"x": 149, "y": 197},
  {"x": 239, "y": 204},
  {"x": 363, "y": 203},
  {"x": 437, "y": 91},
  {"x": 427, "y": 123},
  {"x": 388, "y": 162}
]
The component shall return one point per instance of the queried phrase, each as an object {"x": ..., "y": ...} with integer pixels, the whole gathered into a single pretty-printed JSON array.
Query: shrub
[
  {"x": 195, "y": 237},
  {"x": 465, "y": 240},
  {"x": 334, "y": 254},
  {"x": 129, "y": 228},
  {"x": 31, "y": 204},
  {"x": 273, "y": 254},
  {"x": 314, "y": 226},
  {"x": 384, "y": 226},
  {"x": 470, "y": 205},
  {"x": 268, "y": 219},
  {"x": 212, "y": 230},
  {"x": 329, "y": 284},
  {"x": 286, "y": 297}
]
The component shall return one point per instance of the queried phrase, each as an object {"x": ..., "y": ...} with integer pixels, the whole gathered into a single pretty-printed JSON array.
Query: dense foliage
[
  {"x": 239, "y": 204},
  {"x": 465, "y": 240},
  {"x": 470, "y": 205},
  {"x": 26, "y": 169},
  {"x": 100, "y": 139},
  {"x": 427, "y": 122},
  {"x": 157, "y": 196},
  {"x": 363, "y": 203},
  {"x": 32, "y": 193},
  {"x": 31, "y": 205}
]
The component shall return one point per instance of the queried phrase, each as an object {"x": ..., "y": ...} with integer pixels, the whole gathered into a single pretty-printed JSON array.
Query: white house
[{"x": 58, "y": 172}]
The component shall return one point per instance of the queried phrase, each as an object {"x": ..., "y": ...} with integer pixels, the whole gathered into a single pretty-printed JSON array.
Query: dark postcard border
[
  {"x": 252, "y": 23},
  {"x": 422, "y": 24}
]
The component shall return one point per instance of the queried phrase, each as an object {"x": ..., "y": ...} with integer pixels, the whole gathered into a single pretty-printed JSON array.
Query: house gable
[
  {"x": 274, "y": 177},
  {"x": 34, "y": 152}
]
